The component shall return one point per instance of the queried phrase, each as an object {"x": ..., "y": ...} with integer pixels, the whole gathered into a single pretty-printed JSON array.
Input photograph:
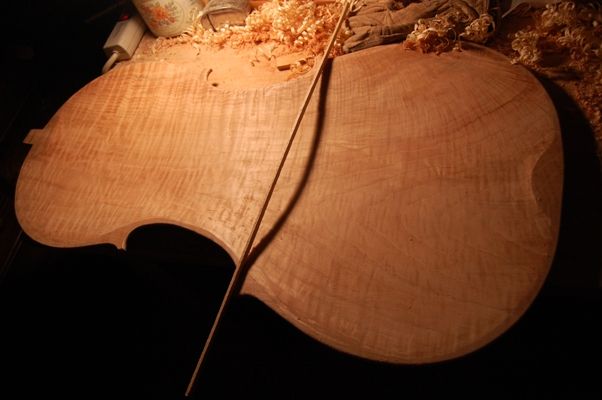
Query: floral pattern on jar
[{"x": 166, "y": 17}]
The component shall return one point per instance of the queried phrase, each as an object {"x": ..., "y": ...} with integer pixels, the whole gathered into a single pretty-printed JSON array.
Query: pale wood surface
[
  {"x": 236, "y": 69},
  {"x": 424, "y": 228},
  {"x": 147, "y": 143}
]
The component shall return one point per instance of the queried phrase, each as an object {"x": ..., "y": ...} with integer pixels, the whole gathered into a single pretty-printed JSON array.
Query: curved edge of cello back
[
  {"x": 154, "y": 143},
  {"x": 427, "y": 224},
  {"x": 428, "y": 234}
]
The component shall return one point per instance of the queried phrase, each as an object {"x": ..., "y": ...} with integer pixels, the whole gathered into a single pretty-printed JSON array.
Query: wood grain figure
[{"x": 415, "y": 220}]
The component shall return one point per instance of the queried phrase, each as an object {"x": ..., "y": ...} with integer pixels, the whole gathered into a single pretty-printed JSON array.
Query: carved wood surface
[{"x": 415, "y": 220}]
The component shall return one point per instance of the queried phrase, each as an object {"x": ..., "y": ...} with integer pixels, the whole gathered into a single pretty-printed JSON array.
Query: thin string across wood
[{"x": 238, "y": 275}]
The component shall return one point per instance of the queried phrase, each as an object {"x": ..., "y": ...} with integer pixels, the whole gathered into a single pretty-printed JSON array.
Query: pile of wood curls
[
  {"x": 565, "y": 40},
  {"x": 289, "y": 25},
  {"x": 443, "y": 32}
]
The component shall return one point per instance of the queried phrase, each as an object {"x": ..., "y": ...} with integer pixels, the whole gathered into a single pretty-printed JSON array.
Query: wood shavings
[
  {"x": 442, "y": 33},
  {"x": 162, "y": 43},
  {"x": 525, "y": 44},
  {"x": 288, "y": 26},
  {"x": 479, "y": 30},
  {"x": 302, "y": 66},
  {"x": 564, "y": 28},
  {"x": 287, "y": 62},
  {"x": 433, "y": 35},
  {"x": 565, "y": 41}
]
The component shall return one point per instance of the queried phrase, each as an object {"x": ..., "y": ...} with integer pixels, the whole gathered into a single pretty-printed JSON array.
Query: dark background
[{"x": 97, "y": 321}]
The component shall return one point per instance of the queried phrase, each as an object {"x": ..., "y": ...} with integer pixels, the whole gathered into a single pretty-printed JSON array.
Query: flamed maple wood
[{"x": 415, "y": 220}]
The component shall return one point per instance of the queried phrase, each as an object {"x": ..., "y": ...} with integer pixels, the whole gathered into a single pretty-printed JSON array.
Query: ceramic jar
[{"x": 167, "y": 17}]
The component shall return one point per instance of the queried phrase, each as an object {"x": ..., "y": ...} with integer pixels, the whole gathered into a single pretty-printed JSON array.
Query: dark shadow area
[
  {"x": 578, "y": 262},
  {"x": 98, "y": 322},
  {"x": 172, "y": 244},
  {"x": 105, "y": 321},
  {"x": 50, "y": 50},
  {"x": 549, "y": 351}
]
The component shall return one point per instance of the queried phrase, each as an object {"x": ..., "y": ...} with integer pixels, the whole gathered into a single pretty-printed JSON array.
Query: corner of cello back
[{"x": 34, "y": 136}]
